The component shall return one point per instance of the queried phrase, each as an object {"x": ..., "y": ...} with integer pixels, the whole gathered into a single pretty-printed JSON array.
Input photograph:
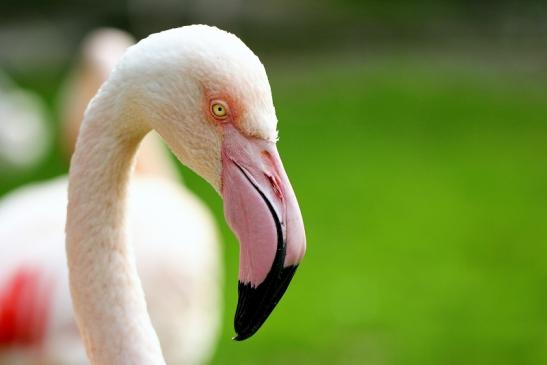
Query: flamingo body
[{"x": 177, "y": 258}]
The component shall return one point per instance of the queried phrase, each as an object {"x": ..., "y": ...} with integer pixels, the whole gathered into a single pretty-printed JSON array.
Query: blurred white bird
[
  {"x": 175, "y": 243},
  {"x": 24, "y": 133}
]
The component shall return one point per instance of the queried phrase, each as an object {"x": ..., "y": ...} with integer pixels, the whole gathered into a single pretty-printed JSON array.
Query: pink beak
[{"x": 261, "y": 208}]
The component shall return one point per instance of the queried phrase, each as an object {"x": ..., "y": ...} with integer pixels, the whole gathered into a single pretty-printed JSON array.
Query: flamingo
[
  {"x": 175, "y": 241},
  {"x": 207, "y": 95}
]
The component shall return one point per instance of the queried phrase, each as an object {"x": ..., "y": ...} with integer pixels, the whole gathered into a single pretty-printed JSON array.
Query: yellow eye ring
[{"x": 219, "y": 109}]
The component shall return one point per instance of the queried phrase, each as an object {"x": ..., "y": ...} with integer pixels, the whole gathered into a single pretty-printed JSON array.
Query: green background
[{"x": 420, "y": 164}]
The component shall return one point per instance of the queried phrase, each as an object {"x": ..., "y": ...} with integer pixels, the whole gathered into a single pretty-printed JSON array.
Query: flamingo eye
[{"x": 219, "y": 109}]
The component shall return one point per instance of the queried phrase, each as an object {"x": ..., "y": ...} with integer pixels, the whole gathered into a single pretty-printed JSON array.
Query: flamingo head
[{"x": 208, "y": 96}]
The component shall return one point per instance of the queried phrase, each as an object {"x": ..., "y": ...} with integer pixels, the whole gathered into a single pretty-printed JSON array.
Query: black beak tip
[
  {"x": 239, "y": 337},
  {"x": 256, "y": 303}
]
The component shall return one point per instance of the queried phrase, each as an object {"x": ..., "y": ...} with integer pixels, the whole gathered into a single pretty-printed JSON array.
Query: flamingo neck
[{"x": 106, "y": 291}]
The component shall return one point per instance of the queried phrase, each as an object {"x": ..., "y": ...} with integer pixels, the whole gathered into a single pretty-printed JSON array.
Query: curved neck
[
  {"x": 106, "y": 291},
  {"x": 152, "y": 159}
]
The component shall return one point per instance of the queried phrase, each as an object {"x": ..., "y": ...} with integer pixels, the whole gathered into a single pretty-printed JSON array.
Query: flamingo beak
[{"x": 261, "y": 208}]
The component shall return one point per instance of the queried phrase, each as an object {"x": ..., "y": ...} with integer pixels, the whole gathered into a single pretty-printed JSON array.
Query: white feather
[{"x": 176, "y": 246}]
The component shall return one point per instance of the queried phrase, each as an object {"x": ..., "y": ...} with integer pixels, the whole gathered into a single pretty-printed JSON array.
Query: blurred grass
[{"x": 424, "y": 192}]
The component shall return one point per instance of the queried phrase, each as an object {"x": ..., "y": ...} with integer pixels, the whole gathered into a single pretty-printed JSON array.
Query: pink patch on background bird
[{"x": 24, "y": 308}]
